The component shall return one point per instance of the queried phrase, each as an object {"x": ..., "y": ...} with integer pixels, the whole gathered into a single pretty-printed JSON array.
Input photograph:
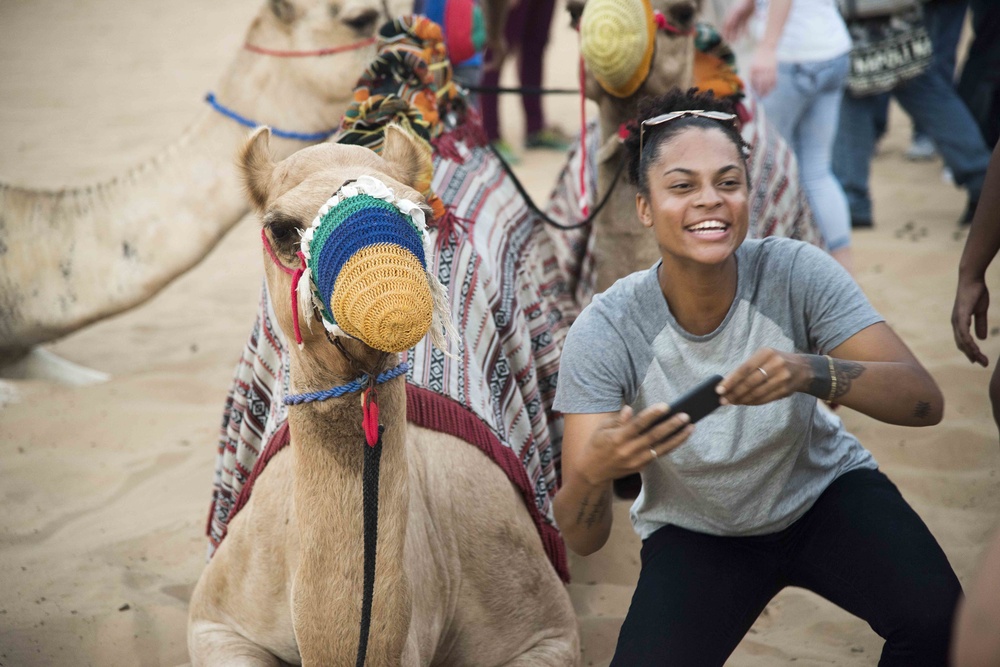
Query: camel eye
[
  {"x": 362, "y": 22},
  {"x": 284, "y": 234}
]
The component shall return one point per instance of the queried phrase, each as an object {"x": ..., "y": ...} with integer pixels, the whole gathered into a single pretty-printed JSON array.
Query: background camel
[
  {"x": 461, "y": 576},
  {"x": 110, "y": 246}
]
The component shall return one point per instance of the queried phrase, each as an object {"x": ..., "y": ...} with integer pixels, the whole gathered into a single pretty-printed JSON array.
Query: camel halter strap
[
  {"x": 249, "y": 122},
  {"x": 664, "y": 24},
  {"x": 286, "y": 134},
  {"x": 296, "y": 275},
  {"x": 276, "y": 53}
]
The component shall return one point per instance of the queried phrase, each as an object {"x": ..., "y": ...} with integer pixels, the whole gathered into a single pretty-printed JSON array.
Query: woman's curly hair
[{"x": 656, "y": 135}]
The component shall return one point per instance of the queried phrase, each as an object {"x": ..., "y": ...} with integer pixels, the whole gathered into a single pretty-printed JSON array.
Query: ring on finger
[
  {"x": 762, "y": 371},
  {"x": 653, "y": 452}
]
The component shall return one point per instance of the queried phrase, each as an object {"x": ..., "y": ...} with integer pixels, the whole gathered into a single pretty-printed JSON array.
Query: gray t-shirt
[{"x": 745, "y": 470}]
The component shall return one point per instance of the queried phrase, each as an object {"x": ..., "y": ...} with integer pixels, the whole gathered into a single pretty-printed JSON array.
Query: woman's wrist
[{"x": 821, "y": 377}]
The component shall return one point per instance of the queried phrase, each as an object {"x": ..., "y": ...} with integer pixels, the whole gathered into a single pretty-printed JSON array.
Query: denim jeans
[
  {"x": 804, "y": 107},
  {"x": 944, "y": 21},
  {"x": 931, "y": 101}
]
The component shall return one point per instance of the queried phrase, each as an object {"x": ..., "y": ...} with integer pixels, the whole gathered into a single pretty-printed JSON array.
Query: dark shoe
[
  {"x": 551, "y": 138},
  {"x": 506, "y": 152},
  {"x": 970, "y": 212},
  {"x": 628, "y": 487},
  {"x": 861, "y": 223}
]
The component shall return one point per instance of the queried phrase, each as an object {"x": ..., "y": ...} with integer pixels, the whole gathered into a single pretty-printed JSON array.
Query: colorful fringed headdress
[{"x": 366, "y": 272}]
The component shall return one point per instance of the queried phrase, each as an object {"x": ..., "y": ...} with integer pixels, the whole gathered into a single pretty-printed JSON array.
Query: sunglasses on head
[{"x": 673, "y": 115}]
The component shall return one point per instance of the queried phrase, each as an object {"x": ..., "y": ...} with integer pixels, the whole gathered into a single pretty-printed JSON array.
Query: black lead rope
[
  {"x": 526, "y": 90},
  {"x": 534, "y": 207},
  {"x": 369, "y": 481}
]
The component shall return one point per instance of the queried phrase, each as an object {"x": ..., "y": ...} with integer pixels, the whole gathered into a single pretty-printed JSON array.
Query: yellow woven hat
[{"x": 617, "y": 38}]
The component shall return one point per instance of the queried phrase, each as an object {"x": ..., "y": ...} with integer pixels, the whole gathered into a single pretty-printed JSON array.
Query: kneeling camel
[{"x": 461, "y": 577}]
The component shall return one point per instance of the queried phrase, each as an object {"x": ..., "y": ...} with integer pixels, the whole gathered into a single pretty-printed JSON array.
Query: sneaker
[
  {"x": 921, "y": 149},
  {"x": 551, "y": 138},
  {"x": 506, "y": 152}
]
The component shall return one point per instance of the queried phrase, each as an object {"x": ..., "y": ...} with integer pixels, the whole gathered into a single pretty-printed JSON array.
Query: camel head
[
  {"x": 307, "y": 25},
  {"x": 307, "y": 53},
  {"x": 345, "y": 246},
  {"x": 635, "y": 48}
]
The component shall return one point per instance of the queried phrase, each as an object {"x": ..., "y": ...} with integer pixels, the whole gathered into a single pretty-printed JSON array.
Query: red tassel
[{"x": 369, "y": 419}]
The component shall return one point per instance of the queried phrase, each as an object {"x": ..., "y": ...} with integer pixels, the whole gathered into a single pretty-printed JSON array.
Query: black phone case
[{"x": 697, "y": 403}]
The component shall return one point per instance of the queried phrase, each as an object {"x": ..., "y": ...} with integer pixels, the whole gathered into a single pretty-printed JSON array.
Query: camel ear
[
  {"x": 283, "y": 10},
  {"x": 410, "y": 158},
  {"x": 256, "y": 164},
  {"x": 575, "y": 9}
]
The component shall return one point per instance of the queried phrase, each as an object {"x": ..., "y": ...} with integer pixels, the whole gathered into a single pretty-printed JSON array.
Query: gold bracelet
[{"x": 833, "y": 379}]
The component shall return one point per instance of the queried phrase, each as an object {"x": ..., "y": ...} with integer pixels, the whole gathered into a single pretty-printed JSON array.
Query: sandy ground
[{"x": 105, "y": 488}]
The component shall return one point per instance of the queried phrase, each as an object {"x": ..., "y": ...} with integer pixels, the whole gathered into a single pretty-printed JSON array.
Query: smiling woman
[{"x": 770, "y": 490}]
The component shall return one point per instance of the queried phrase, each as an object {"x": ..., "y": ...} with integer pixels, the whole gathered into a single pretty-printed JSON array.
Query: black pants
[{"x": 860, "y": 546}]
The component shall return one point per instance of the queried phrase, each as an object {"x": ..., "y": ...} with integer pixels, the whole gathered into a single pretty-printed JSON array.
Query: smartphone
[{"x": 697, "y": 403}]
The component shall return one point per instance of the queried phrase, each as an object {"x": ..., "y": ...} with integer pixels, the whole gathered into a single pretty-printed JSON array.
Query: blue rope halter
[
  {"x": 350, "y": 387},
  {"x": 283, "y": 134}
]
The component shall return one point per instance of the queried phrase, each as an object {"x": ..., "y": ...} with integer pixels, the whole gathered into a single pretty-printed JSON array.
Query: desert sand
[{"x": 106, "y": 488}]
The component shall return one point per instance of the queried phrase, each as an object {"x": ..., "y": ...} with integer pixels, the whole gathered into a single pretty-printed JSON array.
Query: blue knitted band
[{"x": 366, "y": 227}]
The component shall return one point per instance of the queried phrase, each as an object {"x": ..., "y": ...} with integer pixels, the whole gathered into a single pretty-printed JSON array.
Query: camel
[
  {"x": 461, "y": 577},
  {"x": 619, "y": 244},
  {"x": 113, "y": 245}
]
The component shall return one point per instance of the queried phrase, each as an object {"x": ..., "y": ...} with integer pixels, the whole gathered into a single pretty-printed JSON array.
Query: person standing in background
[
  {"x": 944, "y": 20},
  {"x": 526, "y": 32},
  {"x": 798, "y": 70},
  {"x": 979, "y": 85},
  {"x": 930, "y": 99}
]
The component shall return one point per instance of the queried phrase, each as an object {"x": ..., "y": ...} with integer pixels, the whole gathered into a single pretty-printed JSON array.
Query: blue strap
[
  {"x": 350, "y": 387},
  {"x": 243, "y": 120}
]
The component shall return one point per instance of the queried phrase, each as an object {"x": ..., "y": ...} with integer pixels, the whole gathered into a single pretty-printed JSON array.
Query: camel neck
[{"x": 329, "y": 445}]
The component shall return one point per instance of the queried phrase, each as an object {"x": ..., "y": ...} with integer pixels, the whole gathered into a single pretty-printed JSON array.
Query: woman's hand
[
  {"x": 624, "y": 443},
  {"x": 872, "y": 372},
  {"x": 599, "y": 448},
  {"x": 768, "y": 375},
  {"x": 972, "y": 301},
  {"x": 764, "y": 71}
]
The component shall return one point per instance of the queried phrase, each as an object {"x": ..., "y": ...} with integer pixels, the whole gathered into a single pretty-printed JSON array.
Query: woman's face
[{"x": 697, "y": 204}]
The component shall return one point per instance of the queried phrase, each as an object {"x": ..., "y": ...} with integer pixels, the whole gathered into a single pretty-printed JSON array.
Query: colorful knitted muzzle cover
[{"x": 366, "y": 267}]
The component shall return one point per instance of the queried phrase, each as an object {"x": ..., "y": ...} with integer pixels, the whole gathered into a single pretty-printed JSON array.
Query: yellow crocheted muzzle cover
[
  {"x": 382, "y": 298},
  {"x": 617, "y": 39}
]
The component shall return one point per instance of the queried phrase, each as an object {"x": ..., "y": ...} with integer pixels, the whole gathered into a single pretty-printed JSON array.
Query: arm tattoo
[
  {"x": 827, "y": 387},
  {"x": 923, "y": 410},
  {"x": 846, "y": 371},
  {"x": 820, "y": 384},
  {"x": 590, "y": 514}
]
